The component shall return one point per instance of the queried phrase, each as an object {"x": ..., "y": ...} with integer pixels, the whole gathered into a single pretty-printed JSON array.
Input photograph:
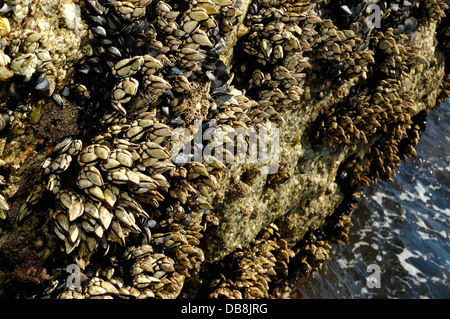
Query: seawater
[{"x": 402, "y": 227}]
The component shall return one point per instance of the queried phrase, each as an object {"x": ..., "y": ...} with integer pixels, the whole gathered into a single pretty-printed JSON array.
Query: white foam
[
  {"x": 425, "y": 236},
  {"x": 421, "y": 223},
  {"x": 413, "y": 271},
  {"x": 406, "y": 196},
  {"x": 440, "y": 210},
  {"x": 443, "y": 233},
  {"x": 421, "y": 192},
  {"x": 378, "y": 198}
]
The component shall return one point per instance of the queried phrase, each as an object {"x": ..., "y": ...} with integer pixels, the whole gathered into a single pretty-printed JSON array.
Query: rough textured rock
[{"x": 253, "y": 233}]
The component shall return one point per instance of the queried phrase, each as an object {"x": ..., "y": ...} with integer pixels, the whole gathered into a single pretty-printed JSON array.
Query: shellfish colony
[{"x": 112, "y": 196}]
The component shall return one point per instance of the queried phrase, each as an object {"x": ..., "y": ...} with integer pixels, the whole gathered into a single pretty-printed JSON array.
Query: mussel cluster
[
  {"x": 116, "y": 185},
  {"x": 252, "y": 273},
  {"x": 36, "y": 52}
]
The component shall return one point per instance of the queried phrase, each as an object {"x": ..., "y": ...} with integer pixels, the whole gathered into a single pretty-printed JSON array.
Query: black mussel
[
  {"x": 151, "y": 223},
  {"x": 220, "y": 45},
  {"x": 412, "y": 36},
  {"x": 105, "y": 42},
  {"x": 367, "y": 29},
  {"x": 99, "y": 50},
  {"x": 186, "y": 220},
  {"x": 129, "y": 42},
  {"x": 395, "y": 73},
  {"x": 118, "y": 41},
  {"x": 110, "y": 64},
  {"x": 209, "y": 124},
  {"x": 98, "y": 69},
  {"x": 84, "y": 69},
  {"x": 254, "y": 7},
  {"x": 168, "y": 94},
  {"x": 178, "y": 99},
  {"x": 93, "y": 61},
  {"x": 410, "y": 25},
  {"x": 356, "y": 11},
  {"x": 6, "y": 8},
  {"x": 114, "y": 24},
  {"x": 167, "y": 97},
  {"x": 212, "y": 54},
  {"x": 383, "y": 5},
  {"x": 219, "y": 96},
  {"x": 409, "y": 4},
  {"x": 394, "y": 7},
  {"x": 346, "y": 10},
  {"x": 214, "y": 34},
  {"x": 208, "y": 66},
  {"x": 114, "y": 52},
  {"x": 221, "y": 89},
  {"x": 400, "y": 29},
  {"x": 172, "y": 71},
  {"x": 141, "y": 40},
  {"x": 99, "y": 32},
  {"x": 42, "y": 83},
  {"x": 137, "y": 26},
  {"x": 65, "y": 91},
  {"x": 153, "y": 51},
  {"x": 220, "y": 76},
  {"x": 216, "y": 82},
  {"x": 212, "y": 57}
]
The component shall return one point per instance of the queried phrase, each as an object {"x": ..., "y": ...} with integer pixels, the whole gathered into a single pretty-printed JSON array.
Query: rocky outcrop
[{"x": 97, "y": 189}]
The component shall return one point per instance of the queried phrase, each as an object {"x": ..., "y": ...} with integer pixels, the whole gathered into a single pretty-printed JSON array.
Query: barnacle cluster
[
  {"x": 25, "y": 55},
  {"x": 131, "y": 213},
  {"x": 385, "y": 108},
  {"x": 270, "y": 266},
  {"x": 379, "y": 110},
  {"x": 117, "y": 185},
  {"x": 253, "y": 272}
]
